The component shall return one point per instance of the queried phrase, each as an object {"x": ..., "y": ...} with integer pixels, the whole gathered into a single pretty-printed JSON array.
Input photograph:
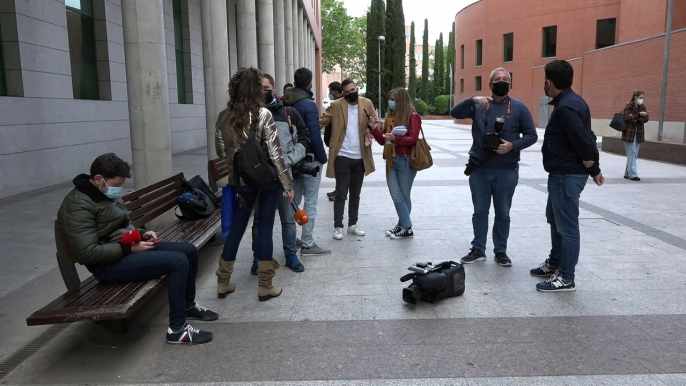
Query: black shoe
[
  {"x": 253, "y": 268},
  {"x": 404, "y": 233},
  {"x": 635, "y": 179},
  {"x": 201, "y": 313},
  {"x": 543, "y": 270},
  {"x": 331, "y": 195},
  {"x": 626, "y": 177},
  {"x": 502, "y": 259},
  {"x": 473, "y": 255},
  {"x": 395, "y": 229},
  {"x": 188, "y": 335},
  {"x": 294, "y": 264},
  {"x": 556, "y": 284}
]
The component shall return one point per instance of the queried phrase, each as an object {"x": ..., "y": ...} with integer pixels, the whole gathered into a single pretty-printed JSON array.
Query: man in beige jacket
[{"x": 350, "y": 152}]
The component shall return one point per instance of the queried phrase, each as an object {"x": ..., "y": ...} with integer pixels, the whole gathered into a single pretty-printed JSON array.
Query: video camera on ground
[
  {"x": 432, "y": 283},
  {"x": 306, "y": 166}
]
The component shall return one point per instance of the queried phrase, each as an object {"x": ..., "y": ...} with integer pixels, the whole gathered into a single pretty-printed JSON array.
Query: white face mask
[{"x": 639, "y": 101}]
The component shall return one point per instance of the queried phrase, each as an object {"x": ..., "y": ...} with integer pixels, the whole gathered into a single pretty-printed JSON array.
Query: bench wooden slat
[
  {"x": 142, "y": 191},
  {"x": 142, "y": 211},
  {"x": 168, "y": 205},
  {"x": 148, "y": 199}
]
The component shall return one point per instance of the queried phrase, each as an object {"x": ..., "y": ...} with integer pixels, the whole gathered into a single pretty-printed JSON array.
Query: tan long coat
[{"x": 337, "y": 115}]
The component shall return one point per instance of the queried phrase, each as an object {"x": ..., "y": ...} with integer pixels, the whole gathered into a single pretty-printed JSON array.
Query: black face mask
[
  {"x": 501, "y": 88},
  {"x": 268, "y": 97},
  {"x": 352, "y": 97}
]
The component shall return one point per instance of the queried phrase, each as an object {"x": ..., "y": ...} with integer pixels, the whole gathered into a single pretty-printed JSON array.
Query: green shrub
[
  {"x": 431, "y": 110},
  {"x": 442, "y": 104},
  {"x": 420, "y": 106}
]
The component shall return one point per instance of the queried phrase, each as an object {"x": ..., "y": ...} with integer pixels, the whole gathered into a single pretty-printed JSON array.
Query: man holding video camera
[{"x": 501, "y": 128}]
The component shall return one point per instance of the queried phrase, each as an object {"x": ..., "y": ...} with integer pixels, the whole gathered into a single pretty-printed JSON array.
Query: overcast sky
[{"x": 440, "y": 13}]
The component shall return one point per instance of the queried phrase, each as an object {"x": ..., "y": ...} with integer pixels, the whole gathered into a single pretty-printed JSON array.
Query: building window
[
  {"x": 477, "y": 81},
  {"x": 549, "y": 41},
  {"x": 508, "y": 47},
  {"x": 178, "y": 49},
  {"x": 81, "y": 31},
  {"x": 461, "y": 86},
  {"x": 3, "y": 85},
  {"x": 479, "y": 49},
  {"x": 462, "y": 57},
  {"x": 605, "y": 33}
]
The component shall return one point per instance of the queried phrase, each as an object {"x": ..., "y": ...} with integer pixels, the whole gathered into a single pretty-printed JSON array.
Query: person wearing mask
[
  {"x": 335, "y": 92},
  {"x": 635, "y": 115},
  {"x": 397, "y": 151},
  {"x": 502, "y": 127},
  {"x": 94, "y": 217},
  {"x": 570, "y": 154},
  {"x": 307, "y": 186},
  {"x": 351, "y": 118},
  {"x": 286, "y": 87},
  {"x": 246, "y": 113},
  {"x": 294, "y": 139}
]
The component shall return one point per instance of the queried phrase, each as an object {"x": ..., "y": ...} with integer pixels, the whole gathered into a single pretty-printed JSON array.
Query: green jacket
[{"x": 92, "y": 224}]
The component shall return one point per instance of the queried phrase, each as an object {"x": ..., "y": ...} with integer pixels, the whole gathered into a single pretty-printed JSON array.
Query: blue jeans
[
  {"x": 288, "y": 233},
  {"x": 179, "y": 261},
  {"x": 264, "y": 215},
  {"x": 631, "y": 156},
  {"x": 499, "y": 184},
  {"x": 562, "y": 213},
  {"x": 400, "y": 181},
  {"x": 308, "y": 187}
]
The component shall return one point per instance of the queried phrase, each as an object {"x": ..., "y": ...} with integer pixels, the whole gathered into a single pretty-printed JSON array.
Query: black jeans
[
  {"x": 179, "y": 261},
  {"x": 349, "y": 177}
]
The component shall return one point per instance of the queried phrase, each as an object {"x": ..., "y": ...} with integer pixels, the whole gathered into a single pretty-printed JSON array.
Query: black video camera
[
  {"x": 493, "y": 140},
  {"x": 432, "y": 283},
  {"x": 305, "y": 167}
]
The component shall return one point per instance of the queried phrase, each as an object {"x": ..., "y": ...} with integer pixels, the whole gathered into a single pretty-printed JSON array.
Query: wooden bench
[
  {"x": 217, "y": 169},
  {"x": 91, "y": 300}
]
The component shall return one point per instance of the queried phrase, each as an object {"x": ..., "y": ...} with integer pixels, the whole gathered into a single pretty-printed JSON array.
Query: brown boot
[
  {"x": 223, "y": 273},
  {"x": 266, "y": 270}
]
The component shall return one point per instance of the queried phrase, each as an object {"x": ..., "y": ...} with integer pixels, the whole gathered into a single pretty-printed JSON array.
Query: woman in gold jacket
[{"x": 247, "y": 102}]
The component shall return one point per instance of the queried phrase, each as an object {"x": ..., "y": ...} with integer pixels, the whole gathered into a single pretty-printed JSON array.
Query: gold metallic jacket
[{"x": 227, "y": 144}]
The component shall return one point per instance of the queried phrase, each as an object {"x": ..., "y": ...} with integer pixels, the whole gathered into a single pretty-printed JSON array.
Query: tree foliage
[
  {"x": 376, "y": 26},
  {"x": 424, "y": 93},
  {"x": 450, "y": 59},
  {"x": 439, "y": 71},
  {"x": 343, "y": 40},
  {"x": 413, "y": 65}
]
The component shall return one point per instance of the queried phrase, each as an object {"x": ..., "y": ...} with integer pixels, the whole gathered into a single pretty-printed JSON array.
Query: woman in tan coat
[
  {"x": 635, "y": 115},
  {"x": 246, "y": 112}
]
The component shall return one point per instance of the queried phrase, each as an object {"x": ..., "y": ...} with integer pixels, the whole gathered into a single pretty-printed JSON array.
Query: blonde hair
[{"x": 403, "y": 107}]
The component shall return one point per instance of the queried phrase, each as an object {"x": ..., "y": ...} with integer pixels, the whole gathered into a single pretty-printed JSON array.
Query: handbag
[
  {"x": 420, "y": 157},
  {"x": 619, "y": 123},
  {"x": 227, "y": 207},
  {"x": 193, "y": 204},
  {"x": 199, "y": 183}
]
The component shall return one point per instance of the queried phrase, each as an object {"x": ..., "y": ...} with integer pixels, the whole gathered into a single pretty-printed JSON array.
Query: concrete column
[
  {"x": 280, "y": 43},
  {"x": 288, "y": 5},
  {"x": 296, "y": 39},
  {"x": 233, "y": 44},
  {"x": 246, "y": 29},
  {"x": 301, "y": 37},
  {"x": 265, "y": 43},
  {"x": 148, "y": 90},
  {"x": 215, "y": 55}
]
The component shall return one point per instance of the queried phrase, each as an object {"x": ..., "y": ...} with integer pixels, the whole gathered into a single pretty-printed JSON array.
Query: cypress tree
[
  {"x": 389, "y": 53},
  {"x": 375, "y": 28},
  {"x": 424, "y": 93},
  {"x": 413, "y": 65},
  {"x": 450, "y": 59},
  {"x": 399, "y": 48},
  {"x": 439, "y": 74},
  {"x": 369, "y": 59}
]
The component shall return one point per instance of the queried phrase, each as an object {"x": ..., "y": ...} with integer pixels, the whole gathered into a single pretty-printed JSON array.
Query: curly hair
[
  {"x": 245, "y": 99},
  {"x": 110, "y": 166}
]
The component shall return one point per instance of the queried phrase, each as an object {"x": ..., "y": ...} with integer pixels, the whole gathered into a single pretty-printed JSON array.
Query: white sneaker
[
  {"x": 338, "y": 234},
  {"x": 354, "y": 230}
]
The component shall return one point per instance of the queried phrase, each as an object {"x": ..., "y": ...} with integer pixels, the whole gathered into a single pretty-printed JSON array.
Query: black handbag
[
  {"x": 619, "y": 123},
  {"x": 199, "y": 183}
]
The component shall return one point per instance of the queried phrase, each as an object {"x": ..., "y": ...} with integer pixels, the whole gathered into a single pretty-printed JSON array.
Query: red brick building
[{"x": 615, "y": 46}]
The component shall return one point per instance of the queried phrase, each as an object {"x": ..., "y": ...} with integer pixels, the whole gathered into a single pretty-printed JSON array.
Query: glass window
[
  {"x": 605, "y": 33},
  {"x": 462, "y": 57},
  {"x": 81, "y": 31},
  {"x": 178, "y": 49},
  {"x": 477, "y": 81},
  {"x": 461, "y": 86},
  {"x": 549, "y": 41},
  {"x": 508, "y": 47},
  {"x": 3, "y": 86},
  {"x": 479, "y": 49}
]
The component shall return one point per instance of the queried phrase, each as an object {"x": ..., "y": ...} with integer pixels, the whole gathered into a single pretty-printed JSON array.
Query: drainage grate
[{"x": 26, "y": 352}]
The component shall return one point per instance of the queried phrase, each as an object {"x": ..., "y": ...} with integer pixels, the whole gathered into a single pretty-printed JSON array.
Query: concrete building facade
[
  {"x": 615, "y": 46},
  {"x": 142, "y": 78}
]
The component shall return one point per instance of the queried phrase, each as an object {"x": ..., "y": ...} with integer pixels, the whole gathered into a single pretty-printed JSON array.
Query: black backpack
[
  {"x": 252, "y": 165},
  {"x": 194, "y": 204}
]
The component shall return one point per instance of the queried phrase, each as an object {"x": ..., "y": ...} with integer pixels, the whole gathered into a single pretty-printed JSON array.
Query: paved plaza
[{"x": 343, "y": 322}]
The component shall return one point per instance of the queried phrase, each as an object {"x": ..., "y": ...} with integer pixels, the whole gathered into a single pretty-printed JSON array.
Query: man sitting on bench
[{"x": 94, "y": 217}]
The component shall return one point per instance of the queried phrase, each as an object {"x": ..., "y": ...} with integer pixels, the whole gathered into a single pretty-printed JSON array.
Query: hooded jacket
[{"x": 301, "y": 99}]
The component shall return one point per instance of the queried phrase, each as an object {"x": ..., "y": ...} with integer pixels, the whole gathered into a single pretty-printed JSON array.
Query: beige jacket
[
  {"x": 337, "y": 115},
  {"x": 227, "y": 145}
]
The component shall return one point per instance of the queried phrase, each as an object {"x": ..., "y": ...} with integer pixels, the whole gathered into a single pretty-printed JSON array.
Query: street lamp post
[
  {"x": 381, "y": 39},
  {"x": 665, "y": 68}
]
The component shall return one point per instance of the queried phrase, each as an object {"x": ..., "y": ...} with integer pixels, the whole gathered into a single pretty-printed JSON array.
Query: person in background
[
  {"x": 246, "y": 112},
  {"x": 286, "y": 87},
  {"x": 397, "y": 151},
  {"x": 635, "y": 115},
  {"x": 335, "y": 92}
]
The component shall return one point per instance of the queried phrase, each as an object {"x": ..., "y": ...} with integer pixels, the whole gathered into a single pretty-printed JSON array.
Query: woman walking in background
[
  {"x": 636, "y": 116},
  {"x": 397, "y": 150}
]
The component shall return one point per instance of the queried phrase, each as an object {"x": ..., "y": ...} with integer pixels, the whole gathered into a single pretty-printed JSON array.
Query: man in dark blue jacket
[
  {"x": 570, "y": 154},
  {"x": 493, "y": 169},
  {"x": 301, "y": 98}
]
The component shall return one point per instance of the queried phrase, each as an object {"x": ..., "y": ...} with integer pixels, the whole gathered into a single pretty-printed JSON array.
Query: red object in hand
[
  {"x": 300, "y": 216},
  {"x": 130, "y": 238},
  {"x": 157, "y": 241}
]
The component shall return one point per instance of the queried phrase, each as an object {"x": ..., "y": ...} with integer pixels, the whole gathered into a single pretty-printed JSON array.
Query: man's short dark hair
[
  {"x": 287, "y": 85},
  {"x": 302, "y": 77},
  {"x": 346, "y": 82},
  {"x": 560, "y": 73},
  {"x": 336, "y": 86},
  {"x": 271, "y": 79},
  {"x": 110, "y": 166}
]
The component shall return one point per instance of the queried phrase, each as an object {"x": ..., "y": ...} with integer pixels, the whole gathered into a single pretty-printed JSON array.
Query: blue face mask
[
  {"x": 113, "y": 191},
  {"x": 391, "y": 105}
]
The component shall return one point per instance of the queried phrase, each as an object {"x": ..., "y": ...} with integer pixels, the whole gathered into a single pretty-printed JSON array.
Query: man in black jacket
[{"x": 570, "y": 154}]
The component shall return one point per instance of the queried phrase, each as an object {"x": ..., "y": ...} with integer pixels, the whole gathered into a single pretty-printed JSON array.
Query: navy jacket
[
  {"x": 301, "y": 100},
  {"x": 519, "y": 129},
  {"x": 568, "y": 139}
]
